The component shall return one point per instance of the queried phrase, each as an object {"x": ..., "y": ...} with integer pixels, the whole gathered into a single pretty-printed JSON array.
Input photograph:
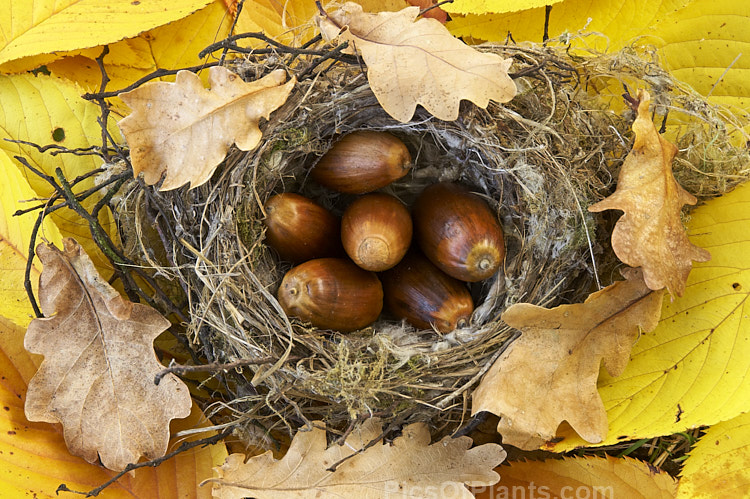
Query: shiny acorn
[
  {"x": 332, "y": 293},
  {"x": 421, "y": 293},
  {"x": 362, "y": 161},
  {"x": 299, "y": 229},
  {"x": 376, "y": 231},
  {"x": 458, "y": 231}
]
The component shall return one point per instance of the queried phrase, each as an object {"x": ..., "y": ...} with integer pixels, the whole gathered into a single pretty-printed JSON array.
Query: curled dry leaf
[
  {"x": 650, "y": 234},
  {"x": 365, "y": 467},
  {"x": 549, "y": 374},
  {"x": 410, "y": 63},
  {"x": 97, "y": 377},
  {"x": 185, "y": 130}
]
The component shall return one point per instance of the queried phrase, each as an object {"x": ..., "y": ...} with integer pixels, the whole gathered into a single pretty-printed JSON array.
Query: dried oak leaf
[
  {"x": 549, "y": 374},
  {"x": 185, "y": 130},
  {"x": 366, "y": 467},
  {"x": 650, "y": 234},
  {"x": 97, "y": 377},
  {"x": 410, "y": 63}
]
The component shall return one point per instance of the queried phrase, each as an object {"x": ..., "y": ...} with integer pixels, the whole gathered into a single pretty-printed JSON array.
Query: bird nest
[{"x": 539, "y": 160}]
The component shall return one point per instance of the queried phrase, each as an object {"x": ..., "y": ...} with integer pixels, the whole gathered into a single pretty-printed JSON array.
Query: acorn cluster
[{"x": 378, "y": 253}]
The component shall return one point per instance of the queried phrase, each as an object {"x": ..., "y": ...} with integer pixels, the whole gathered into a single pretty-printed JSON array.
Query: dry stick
[
  {"x": 29, "y": 260},
  {"x": 237, "y": 13},
  {"x": 185, "y": 446},
  {"x": 214, "y": 366},
  {"x": 156, "y": 74},
  {"x": 80, "y": 151},
  {"x": 437, "y": 5},
  {"x": 280, "y": 47}
]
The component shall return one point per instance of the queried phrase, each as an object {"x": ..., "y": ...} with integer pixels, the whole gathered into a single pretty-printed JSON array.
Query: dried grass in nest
[{"x": 540, "y": 160}]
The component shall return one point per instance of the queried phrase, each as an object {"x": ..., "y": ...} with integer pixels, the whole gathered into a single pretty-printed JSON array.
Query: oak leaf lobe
[
  {"x": 549, "y": 374},
  {"x": 409, "y": 467},
  {"x": 185, "y": 130},
  {"x": 650, "y": 234},
  {"x": 418, "y": 62},
  {"x": 99, "y": 365}
]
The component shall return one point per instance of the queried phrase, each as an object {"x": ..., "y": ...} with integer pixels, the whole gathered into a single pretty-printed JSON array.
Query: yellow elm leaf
[
  {"x": 97, "y": 377},
  {"x": 619, "y": 21},
  {"x": 287, "y": 22},
  {"x": 591, "y": 477},
  {"x": 718, "y": 466},
  {"x": 418, "y": 62},
  {"x": 185, "y": 131},
  {"x": 650, "y": 233},
  {"x": 408, "y": 467},
  {"x": 707, "y": 44},
  {"x": 698, "y": 39},
  {"x": 494, "y": 6},
  {"x": 15, "y": 237},
  {"x": 32, "y": 27},
  {"x": 35, "y": 460},
  {"x": 47, "y": 110},
  {"x": 548, "y": 375},
  {"x": 690, "y": 370},
  {"x": 173, "y": 46}
]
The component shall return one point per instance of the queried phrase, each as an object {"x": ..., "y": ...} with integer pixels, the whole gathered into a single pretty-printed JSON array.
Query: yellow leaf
[
  {"x": 650, "y": 234},
  {"x": 591, "y": 477},
  {"x": 699, "y": 40},
  {"x": 30, "y": 27},
  {"x": 689, "y": 371},
  {"x": 418, "y": 62},
  {"x": 707, "y": 45},
  {"x": 46, "y": 110},
  {"x": 718, "y": 466},
  {"x": 173, "y": 46},
  {"x": 287, "y": 22},
  {"x": 407, "y": 467},
  {"x": 494, "y": 6},
  {"x": 35, "y": 460},
  {"x": 549, "y": 374},
  {"x": 185, "y": 130},
  {"x": 97, "y": 377},
  {"x": 15, "y": 238}
]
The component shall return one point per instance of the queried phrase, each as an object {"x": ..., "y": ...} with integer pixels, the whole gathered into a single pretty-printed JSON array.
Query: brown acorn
[
  {"x": 376, "y": 231},
  {"x": 332, "y": 293},
  {"x": 424, "y": 295},
  {"x": 362, "y": 161},
  {"x": 299, "y": 229},
  {"x": 458, "y": 231}
]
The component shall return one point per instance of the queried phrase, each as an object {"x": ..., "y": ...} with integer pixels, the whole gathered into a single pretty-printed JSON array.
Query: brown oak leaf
[
  {"x": 97, "y": 377},
  {"x": 650, "y": 234},
  {"x": 410, "y": 63},
  {"x": 549, "y": 374},
  {"x": 365, "y": 467},
  {"x": 185, "y": 130}
]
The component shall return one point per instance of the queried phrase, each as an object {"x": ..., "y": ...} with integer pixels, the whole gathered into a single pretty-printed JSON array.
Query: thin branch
[
  {"x": 156, "y": 74},
  {"x": 153, "y": 463},
  {"x": 215, "y": 366},
  {"x": 29, "y": 261}
]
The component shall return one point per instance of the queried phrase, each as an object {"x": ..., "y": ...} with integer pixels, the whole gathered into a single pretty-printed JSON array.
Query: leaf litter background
[{"x": 723, "y": 41}]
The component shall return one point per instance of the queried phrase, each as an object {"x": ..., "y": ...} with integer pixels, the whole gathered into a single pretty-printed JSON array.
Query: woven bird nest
[{"x": 539, "y": 160}]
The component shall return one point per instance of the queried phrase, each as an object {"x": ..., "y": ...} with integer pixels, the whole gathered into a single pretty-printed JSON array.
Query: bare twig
[
  {"x": 215, "y": 366},
  {"x": 153, "y": 463}
]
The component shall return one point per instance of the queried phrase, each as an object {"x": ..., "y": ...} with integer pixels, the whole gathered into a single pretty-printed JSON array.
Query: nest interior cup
[{"x": 538, "y": 161}]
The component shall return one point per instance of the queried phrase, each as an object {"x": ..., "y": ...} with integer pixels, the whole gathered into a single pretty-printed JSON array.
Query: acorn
[
  {"x": 332, "y": 293},
  {"x": 376, "y": 231},
  {"x": 424, "y": 295},
  {"x": 299, "y": 229},
  {"x": 458, "y": 231},
  {"x": 362, "y": 161}
]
